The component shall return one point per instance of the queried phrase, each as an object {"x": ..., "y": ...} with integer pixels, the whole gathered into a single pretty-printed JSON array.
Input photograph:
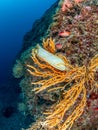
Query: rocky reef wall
[{"x": 71, "y": 33}]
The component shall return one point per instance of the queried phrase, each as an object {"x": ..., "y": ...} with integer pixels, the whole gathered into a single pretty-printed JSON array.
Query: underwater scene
[{"x": 49, "y": 65}]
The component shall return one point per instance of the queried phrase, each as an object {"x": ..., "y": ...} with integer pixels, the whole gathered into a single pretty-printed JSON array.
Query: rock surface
[{"x": 75, "y": 33}]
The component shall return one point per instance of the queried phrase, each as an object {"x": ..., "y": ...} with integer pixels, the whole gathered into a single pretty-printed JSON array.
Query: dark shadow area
[{"x": 10, "y": 117}]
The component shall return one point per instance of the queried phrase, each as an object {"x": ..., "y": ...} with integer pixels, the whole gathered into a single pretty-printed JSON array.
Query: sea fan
[{"x": 77, "y": 78}]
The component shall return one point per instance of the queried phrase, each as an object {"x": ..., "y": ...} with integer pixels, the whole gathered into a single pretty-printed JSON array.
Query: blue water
[{"x": 16, "y": 18}]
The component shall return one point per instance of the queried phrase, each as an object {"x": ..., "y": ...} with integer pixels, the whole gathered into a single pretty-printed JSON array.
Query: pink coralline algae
[
  {"x": 64, "y": 33},
  {"x": 58, "y": 46},
  {"x": 66, "y": 5}
]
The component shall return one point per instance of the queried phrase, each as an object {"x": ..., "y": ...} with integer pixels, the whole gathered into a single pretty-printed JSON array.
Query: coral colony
[
  {"x": 57, "y": 71},
  {"x": 66, "y": 65}
]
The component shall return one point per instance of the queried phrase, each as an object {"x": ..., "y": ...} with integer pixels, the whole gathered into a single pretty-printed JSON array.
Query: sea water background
[{"x": 16, "y": 18}]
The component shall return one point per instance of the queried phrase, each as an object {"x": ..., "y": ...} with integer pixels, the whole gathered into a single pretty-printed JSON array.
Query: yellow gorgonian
[{"x": 56, "y": 69}]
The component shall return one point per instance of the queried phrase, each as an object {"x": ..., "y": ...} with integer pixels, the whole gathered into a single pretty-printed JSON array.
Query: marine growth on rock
[{"x": 61, "y": 75}]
